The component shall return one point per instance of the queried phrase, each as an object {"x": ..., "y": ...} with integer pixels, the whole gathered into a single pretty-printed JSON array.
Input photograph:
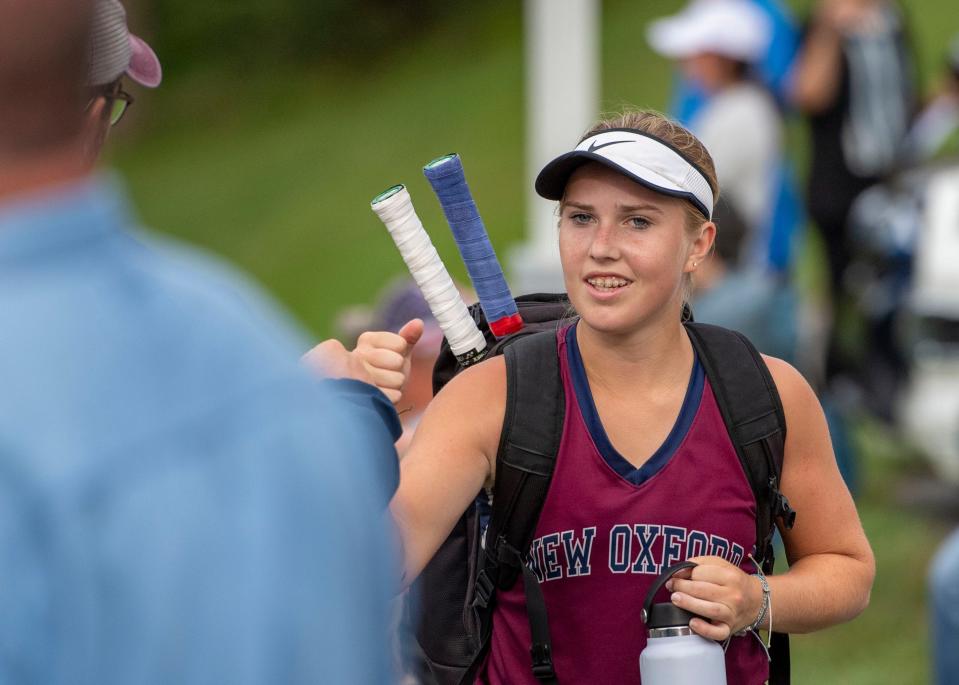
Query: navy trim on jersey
[{"x": 616, "y": 461}]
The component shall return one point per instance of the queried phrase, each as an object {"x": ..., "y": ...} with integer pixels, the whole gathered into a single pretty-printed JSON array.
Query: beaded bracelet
[
  {"x": 766, "y": 606},
  {"x": 763, "y": 608}
]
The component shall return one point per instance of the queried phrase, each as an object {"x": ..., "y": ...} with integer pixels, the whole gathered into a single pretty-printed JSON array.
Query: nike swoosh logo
[{"x": 593, "y": 147}]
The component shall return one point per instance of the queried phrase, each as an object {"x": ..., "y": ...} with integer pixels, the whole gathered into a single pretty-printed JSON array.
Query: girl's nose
[{"x": 604, "y": 245}]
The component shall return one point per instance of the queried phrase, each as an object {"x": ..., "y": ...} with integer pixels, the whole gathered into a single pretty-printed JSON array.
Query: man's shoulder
[
  {"x": 211, "y": 325},
  {"x": 153, "y": 331},
  {"x": 205, "y": 289}
]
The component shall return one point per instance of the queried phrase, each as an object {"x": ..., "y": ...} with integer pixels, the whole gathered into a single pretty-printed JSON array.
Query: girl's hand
[
  {"x": 380, "y": 358},
  {"x": 723, "y": 593}
]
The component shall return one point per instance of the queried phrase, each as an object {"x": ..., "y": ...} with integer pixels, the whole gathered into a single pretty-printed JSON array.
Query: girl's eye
[
  {"x": 639, "y": 222},
  {"x": 580, "y": 218}
]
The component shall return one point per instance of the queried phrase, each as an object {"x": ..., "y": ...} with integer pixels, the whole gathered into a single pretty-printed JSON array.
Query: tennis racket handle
[
  {"x": 395, "y": 209},
  {"x": 448, "y": 180}
]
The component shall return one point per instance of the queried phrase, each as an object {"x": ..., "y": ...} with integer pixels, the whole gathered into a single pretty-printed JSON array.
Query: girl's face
[{"x": 625, "y": 250}]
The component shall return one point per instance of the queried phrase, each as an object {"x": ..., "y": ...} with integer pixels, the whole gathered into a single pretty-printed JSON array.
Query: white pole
[{"x": 562, "y": 96}]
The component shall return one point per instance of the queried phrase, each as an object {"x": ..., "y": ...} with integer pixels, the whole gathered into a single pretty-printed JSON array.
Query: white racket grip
[{"x": 395, "y": 209}]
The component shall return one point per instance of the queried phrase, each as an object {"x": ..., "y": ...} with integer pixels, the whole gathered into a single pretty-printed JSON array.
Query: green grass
[{"x": 275, "y": 171}]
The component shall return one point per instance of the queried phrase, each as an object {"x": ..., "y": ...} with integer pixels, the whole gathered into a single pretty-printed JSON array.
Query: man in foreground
[{"x": 179, "y": 502}]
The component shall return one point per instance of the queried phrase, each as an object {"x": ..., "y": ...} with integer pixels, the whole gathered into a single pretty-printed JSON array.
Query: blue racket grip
[{"x": 449, "y": 183}]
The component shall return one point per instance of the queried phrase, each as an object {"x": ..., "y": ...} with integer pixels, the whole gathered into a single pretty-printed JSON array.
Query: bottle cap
[{"x": 666, "y": 614}]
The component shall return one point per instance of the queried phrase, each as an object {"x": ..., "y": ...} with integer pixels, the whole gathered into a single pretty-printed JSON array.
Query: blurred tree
[{"x": 259, "y": 34}]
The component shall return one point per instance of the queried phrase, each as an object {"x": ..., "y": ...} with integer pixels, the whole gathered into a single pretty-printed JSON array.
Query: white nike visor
[{"x": 649, "y": 161}]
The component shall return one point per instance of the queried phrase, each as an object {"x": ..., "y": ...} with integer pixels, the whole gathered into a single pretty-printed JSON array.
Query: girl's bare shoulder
[
  {"x": 794, "y": 390},
  {"x": 469, "y": 409}
]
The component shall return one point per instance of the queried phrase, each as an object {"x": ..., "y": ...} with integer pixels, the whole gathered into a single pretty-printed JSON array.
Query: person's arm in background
[{"x": 816, "y": 76}]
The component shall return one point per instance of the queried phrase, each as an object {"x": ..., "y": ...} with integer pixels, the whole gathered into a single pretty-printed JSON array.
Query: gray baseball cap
[{"x": 115, "y": 51}]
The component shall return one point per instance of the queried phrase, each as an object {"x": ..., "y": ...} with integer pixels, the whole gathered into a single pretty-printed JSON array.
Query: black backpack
[{"x": 457, "y": 588}]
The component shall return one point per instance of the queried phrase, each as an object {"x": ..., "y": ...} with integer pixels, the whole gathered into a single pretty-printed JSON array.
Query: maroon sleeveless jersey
[{"x": 607, "y": 529}]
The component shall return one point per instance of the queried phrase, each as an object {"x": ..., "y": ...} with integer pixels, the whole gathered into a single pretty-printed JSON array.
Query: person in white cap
[
  {"x": 114, "y": 53},
  {"x": 855, "y": 82},
  {"x": 716, "y": 43}
]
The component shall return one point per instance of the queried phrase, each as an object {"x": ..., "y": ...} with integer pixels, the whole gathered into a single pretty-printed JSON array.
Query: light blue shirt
[{"x": 179, "y": 502}]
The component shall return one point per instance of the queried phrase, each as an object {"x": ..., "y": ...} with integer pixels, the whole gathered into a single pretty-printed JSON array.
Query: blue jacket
[{"x": 179, "y": 501}]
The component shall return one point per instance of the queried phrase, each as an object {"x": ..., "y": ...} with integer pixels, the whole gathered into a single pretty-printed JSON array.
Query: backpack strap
[
  {"x": 753, "y": 413},
  {"x": 524, "y": 468}
]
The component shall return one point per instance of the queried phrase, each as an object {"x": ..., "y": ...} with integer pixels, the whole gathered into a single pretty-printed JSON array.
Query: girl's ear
[{"x": 701, "y": 246}]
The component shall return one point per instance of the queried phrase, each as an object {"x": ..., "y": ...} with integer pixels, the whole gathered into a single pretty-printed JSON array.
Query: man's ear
[
  {"x": 96, "y": 125},
  {"x": 95, "y": 112}
]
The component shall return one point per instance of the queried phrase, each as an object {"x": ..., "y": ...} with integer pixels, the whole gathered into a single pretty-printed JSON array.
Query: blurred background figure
[
  {"x": 179, "y": 501},
  {"x": 771, "y": 67},
  {"x": 717, "y": 44},
  {"x": 854, "y": 80},
  {"x": 742, "y": 299},
  {"x": 773, "y": 41},
  {"x": 925, "y": 200},
  {"x": 114, "y": 53},
  {"x": 944, "y": 610},
  {"x": 906, "y": 227},
  {"x": 725, "y": 53}
]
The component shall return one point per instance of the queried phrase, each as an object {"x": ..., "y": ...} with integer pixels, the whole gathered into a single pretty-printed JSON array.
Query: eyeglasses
[{"x": 117, "y": 101}]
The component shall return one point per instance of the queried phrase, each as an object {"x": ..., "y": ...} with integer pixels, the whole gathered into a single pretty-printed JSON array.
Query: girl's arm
[
  {"x": 452, "y": 456},
  {"x": 831, "y": 564}
]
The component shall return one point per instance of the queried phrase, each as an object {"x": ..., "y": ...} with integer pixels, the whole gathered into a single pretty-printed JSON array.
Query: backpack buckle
[
  {"x": 483, "y": 590},
  {"x": 542, "y": 662},
  {"x": 507, "y": 555},
  {"x": 780, "y": 505},
  {"x": 784, "y": 511}
]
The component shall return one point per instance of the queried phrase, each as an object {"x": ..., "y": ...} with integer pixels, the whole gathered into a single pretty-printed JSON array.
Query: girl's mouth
[{"x": 606, "y": 287}]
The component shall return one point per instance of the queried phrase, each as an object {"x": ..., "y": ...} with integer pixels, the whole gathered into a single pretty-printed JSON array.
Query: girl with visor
[{"x": 643, "y": 441}]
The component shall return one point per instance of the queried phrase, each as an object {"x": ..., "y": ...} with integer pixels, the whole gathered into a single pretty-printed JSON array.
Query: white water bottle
[{"x": 674, "y": 654}]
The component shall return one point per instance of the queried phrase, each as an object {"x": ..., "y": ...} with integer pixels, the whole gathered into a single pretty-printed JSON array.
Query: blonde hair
[
  {"x": 660, "y": 126},
  {"x": 676, "y": 136}
]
